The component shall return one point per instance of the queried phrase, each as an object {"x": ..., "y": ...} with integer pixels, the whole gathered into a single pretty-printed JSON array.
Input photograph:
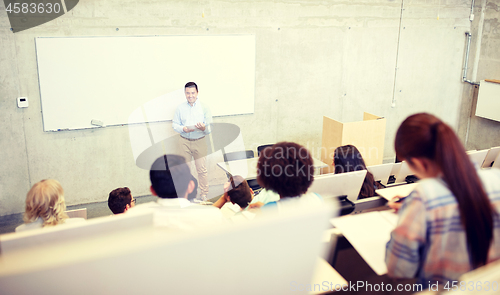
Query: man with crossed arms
[{"x": 192, "y": 121}]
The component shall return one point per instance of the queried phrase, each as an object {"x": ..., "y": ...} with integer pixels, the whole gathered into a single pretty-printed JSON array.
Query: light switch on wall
[{"x": 22, "y": 102}]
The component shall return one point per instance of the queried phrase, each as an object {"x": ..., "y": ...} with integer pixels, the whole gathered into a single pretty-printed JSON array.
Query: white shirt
[
  {"x": 187, "y": 115},
  {"x": 306, "y": 200},
  {"x": 265, "y": 196},
  {"x": 180, "y": 214}
]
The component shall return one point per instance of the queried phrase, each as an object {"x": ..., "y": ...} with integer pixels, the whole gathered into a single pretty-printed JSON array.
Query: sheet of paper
[
  {"x": 368, "y": 233},
  {"x": 394, "y": 191},
  {"x": 234, "y": 207},
  {"x": 324, "y": 272},
  {"x": 391, "y": 216},
  {"x": 327, "y": 234}
]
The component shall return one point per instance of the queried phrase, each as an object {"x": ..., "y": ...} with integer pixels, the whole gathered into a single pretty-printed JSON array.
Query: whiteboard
[
  {"x": 108, "y": 78},
  {"x": 488, "y": 100}
]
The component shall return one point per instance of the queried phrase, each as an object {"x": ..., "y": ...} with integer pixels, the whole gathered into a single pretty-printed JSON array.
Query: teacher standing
[{"x": 192, "y": 121}]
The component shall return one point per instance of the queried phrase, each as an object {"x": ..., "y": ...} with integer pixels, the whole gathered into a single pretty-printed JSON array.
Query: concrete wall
[
  {"x": 480, "y": 133},
  {"x": 313, "y": 58}
]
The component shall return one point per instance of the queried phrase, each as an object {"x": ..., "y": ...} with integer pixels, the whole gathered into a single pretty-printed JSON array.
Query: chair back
[
  {"x": 260, "y": 148},
  {"x": 477, "y": 157},
  {"x": 238, "y": 155},
  {"x": 34, "y": 238},
  {"x": 491, "y": 157},
  {"x": 77, "y": 213},
  {"x": 381, "y": 172},
  {"x": 269, "y": 255},
  {"x": 336, "y": 185}
]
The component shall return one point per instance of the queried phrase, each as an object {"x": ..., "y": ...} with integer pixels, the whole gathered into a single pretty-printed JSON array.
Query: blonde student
[{"x": 45, "y": 206}]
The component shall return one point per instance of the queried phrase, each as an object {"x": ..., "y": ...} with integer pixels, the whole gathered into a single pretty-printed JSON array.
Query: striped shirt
[{"x": 429, "y": 241}]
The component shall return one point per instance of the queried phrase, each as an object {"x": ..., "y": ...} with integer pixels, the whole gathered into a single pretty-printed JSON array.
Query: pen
[{"x": 398, "y": 199}]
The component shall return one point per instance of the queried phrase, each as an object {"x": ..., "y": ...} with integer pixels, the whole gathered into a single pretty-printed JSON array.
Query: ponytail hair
[{"x": 425, "y": 136}]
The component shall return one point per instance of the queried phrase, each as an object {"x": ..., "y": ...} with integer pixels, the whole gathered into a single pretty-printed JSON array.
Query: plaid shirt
[{"x": 429, "y": 241}]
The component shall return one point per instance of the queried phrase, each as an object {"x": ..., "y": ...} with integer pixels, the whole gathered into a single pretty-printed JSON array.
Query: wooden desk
[{"x": 248, "y": 167}]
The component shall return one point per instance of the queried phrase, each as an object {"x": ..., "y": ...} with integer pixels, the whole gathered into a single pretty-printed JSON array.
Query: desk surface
[
  {"x": 324, "y": 272},
  {"x": 248, "y": 167},
  {"x": 368, "y": 233},
  {"x": 391, "y": 192}
]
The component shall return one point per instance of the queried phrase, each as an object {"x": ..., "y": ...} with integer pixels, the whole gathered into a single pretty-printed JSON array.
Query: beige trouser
[{"x": 196, "y": 149}]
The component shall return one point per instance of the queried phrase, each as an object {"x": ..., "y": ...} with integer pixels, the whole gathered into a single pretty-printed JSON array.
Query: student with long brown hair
[
  {"x": 347, "y": 158},
  {"x": 449, "y": 224}
]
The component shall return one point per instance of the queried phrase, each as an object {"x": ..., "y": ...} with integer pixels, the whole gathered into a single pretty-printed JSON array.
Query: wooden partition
[{"x": 367, "y": 135}]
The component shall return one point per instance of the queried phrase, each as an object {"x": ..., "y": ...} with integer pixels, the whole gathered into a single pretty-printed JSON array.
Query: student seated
[
  {"x": 45, "y": 206},
  {"x": 347, "y": 158},
  {"x": 192, "y": 196},
  {"x": 236, "y": 191},
  {"x": 171, "y": 182},
  {"x": 287, "y": 169},
  {"x": 449, "y": 224},
  {"x": 265, "y": 196},
  {"x": 120, "y": 200}
]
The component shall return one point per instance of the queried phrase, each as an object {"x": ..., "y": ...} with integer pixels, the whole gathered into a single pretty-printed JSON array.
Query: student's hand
[
  {"x": 187, "y": 130},
  {"x": 227, "y": 187},
  {"x": 394, "y": 204},
  {"x": 221, "y": 201},
  {"x": 226, "y": 195},
  {"x": 200, "y": 126},
  {"x": 256, "y": 205}
]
